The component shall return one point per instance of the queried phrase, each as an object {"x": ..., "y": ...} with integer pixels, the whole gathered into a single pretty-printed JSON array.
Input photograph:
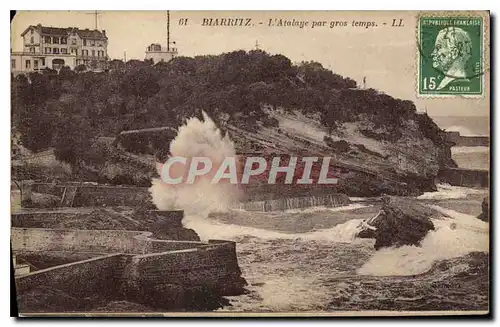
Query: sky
[{"x": 385, "y": 55}]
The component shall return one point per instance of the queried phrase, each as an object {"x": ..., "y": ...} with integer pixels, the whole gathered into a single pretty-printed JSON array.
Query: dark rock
[
  {"x": 401, "y": 221},
  {"x": 485, "y": 207},
  {"x": 47, "y": 299},
  {"x": 168, "y": 226},
  {"x": 338, "y": 146},
  {"x": 160, "y": 296},
  {"x": 177, "y": 234}
]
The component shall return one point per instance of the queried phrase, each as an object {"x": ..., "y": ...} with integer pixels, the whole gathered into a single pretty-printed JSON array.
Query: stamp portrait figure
[{"x": 451, "y": 53}]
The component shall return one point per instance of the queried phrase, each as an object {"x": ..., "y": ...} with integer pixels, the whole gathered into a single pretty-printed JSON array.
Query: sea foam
[{"x": 454, "y": 237}]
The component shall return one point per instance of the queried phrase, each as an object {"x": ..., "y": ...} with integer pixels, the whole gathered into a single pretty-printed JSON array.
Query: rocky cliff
[
  {"x": 371, "y": 165},
  {"x": 265, "y": 102}
]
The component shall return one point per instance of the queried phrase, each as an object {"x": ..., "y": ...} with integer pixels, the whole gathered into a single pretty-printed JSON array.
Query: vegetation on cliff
[{"x": 70, "y": 109}]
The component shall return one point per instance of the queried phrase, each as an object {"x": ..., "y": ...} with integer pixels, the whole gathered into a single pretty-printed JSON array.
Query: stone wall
[
  {"x": 163, "y": 280},
  {"x": 464, "y": 177},
  {"x": 40, "y": 219},
  {"x": 473, "y": 141},
  {"x": 88, "y": 195},
  {"x": 83, "y": 278},
  {"x": 169, "y": 279},
  {"x": 189, "y": 266},
  {"x": 330, "y": 200},
  {"x": 107, "y": 241},
  {"x": 99, "y": 241}
]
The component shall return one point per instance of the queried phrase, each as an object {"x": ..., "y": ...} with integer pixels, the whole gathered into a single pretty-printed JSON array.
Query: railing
[
  {"x": 92, "y": 57},
  {"x": 163, "y": 49},
  {"x": 40, "y": 54}
]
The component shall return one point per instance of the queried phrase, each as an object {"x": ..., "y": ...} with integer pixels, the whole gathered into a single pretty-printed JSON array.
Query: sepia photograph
[{"x": 250, "y": 163}]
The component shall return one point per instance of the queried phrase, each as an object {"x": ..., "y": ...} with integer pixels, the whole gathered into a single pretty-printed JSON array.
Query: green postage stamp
[{"x": 450, "y": 55}]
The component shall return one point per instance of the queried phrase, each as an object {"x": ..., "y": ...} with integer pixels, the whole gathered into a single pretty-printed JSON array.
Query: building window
[
  {"x": 32, "y": 50},
  {"x": 92, "y": 43},
  {"x": 13, "y": 63},
  {"x": 28, "y": 64},
  {"x": 48, "y": 50},
  {"x": 43, "y": 61},
  {"x": 93, "y": 53},
  {"x": 55, "y": 40},
  {"x": 32, "y": 39},
  {"x": 64, "y": 50},
  {"x": 64, "y": 40},
  {"x": 73, "y": 41},
  {"x": 55, "y": 50},
  {"x": 48, "y": 40},
  {"x": 84, "y": 42},
  {"x": 31, "y": 31}
]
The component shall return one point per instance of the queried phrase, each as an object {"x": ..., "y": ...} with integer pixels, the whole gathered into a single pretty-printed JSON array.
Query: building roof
[
  {"x": 55, "y": 30},
  {"x": 91, "y": 34},
  {"x": 64, "y": 31}
]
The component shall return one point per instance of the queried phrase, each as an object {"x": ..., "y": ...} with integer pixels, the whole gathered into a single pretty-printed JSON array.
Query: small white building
[{"x": 158, "y": 53}]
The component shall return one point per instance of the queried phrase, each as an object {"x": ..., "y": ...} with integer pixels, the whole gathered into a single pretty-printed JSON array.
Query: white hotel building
[{"x": 55, "y": 47}]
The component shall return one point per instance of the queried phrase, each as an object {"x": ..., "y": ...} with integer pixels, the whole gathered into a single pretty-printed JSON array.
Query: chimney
[{"x": 104, "y": 32}]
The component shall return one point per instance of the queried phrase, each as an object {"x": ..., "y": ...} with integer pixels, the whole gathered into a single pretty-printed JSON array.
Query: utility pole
[
  {"x": 168, "y": 30},
  {"x": 124, "y": 56},
  {"x": 95, "y": 13}
]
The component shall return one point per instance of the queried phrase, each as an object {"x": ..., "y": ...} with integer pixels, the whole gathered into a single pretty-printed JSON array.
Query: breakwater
[
  {"x": 460, "y": 140},
  {"x": 87, "y": 195},
  {"x": 465, "y": 177},
  {"x": 329, "y": 200},
  {"x": 126, "y": 266}
]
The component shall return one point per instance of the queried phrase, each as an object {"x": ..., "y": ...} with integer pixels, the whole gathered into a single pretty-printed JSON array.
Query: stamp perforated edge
[{"x": 485, "y": 17}]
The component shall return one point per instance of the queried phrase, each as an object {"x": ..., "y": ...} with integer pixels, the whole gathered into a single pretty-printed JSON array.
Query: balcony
[{"x": 86, "y": 57}]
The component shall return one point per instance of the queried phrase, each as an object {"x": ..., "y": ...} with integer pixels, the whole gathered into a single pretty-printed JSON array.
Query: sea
[
  {"x": 309, "y": 260},
  {"x": 468, "y": 157},
  {"x": 466, "y": 125}
]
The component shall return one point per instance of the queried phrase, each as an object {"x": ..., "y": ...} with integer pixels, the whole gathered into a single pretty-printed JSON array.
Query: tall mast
[
  {"x": 168, "y": 30},
  {"x": 95, "y": 13}
]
